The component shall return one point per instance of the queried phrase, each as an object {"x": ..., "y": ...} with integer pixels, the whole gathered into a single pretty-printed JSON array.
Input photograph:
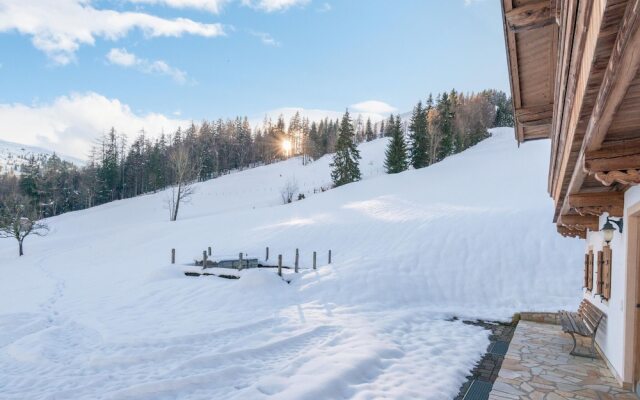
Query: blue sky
[{"x": 232, "y": 57}]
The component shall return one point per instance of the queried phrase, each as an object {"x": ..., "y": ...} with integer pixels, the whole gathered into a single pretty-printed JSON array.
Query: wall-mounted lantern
[{"x": 608, "y": 229}]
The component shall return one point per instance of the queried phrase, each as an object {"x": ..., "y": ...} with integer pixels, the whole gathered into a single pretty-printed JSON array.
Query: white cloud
[
  {"x": 266, "y": 39},
  {"x": 123, "y": 58},
  {"x": 70, "y": 124},
  {"x": 213, "y": 6},
  {"x": 60, "y": 27},
  {"x": 374, "y": 107},
  {"x": 274, "y": 5}
]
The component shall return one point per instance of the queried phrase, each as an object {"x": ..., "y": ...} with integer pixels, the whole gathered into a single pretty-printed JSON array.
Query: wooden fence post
[
  {"x": 280, "y": 264},
  {"x": 209, "y": 251},
  {"x": 329, "y": 256},
  {"x": 314, "y": 260},
  {"x": 297, "y": 259},
  {"x": 173, "y": 256},
  {"x": 266, "y": 258},
  {"x": 204, "y": 259},
  {"x": 240, "y": 257}
]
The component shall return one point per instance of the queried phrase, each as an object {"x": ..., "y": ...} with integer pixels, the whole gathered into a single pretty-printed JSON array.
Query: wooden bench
[{"x": 583, "y": 323}]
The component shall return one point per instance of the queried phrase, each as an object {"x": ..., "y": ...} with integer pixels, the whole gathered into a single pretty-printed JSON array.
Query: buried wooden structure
[{"x": 241, "y": 263}]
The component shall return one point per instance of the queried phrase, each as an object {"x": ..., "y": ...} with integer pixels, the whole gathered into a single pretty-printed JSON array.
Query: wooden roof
[
  {"x": 574, "y": 77},
  {"x": 531, "y": 36}
]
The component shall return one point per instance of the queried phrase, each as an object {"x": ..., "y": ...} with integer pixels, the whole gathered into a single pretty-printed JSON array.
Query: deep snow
[{"x": 94, "y": 310}]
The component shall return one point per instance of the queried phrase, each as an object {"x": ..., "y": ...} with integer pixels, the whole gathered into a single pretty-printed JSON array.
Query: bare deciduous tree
[
  {"x": 19, "y": 219},
  {"x": 183, "y": 171},
  {"x": 289, "y": 190}
]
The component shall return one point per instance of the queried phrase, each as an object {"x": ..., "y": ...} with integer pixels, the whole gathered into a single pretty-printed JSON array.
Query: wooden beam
[
  {"x": 512, "y": 61},
  {"x": 604, "y": 18},
  {"x": 536, "y": 116},
  {"x": 625, "y": 177},
  {"x": 531, "y": 16},
  {"x": 556, "y": 10},
  {"x": 614, "y": 156},
  {"x": 598, "y": 203},
  {"x": 567, "y": 25},
  {"x": 574, "y": 233},
  {"x": 580, "y": 222},
  {"x": 581, "y": 42},
  {"x": 621, "y": 69}
]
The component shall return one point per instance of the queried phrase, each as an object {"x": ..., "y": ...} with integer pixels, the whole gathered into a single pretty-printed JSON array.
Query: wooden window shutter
[
  {"x": 590, "y": 271},
  {"x": 600, "y": 281},
  {"x": 606, "y": 269},
  {"x": 585, "y": 282}
]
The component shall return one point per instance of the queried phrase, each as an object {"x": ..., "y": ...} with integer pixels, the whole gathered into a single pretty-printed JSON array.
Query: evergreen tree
[
  {"x": 388, "y": 126},
  {"x": 368, "y": 131},
  {"x": 396, "y": 155},
  {"x": 418, "y": 137},
  {"x": 445, "y": 127},
  {"x": 345, "y": 168}
]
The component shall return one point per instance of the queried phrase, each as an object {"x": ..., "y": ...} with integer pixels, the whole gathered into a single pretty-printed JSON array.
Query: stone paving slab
[{"x": 538, "y": 366}]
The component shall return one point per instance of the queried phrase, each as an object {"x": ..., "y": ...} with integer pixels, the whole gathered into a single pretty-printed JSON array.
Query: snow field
[{"x": 95, "y": 310}]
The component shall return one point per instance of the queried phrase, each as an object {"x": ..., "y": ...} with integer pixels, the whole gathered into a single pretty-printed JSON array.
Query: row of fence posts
[
  {"x": 207, "y": 253},
  {"x": 297, "y": 260}
]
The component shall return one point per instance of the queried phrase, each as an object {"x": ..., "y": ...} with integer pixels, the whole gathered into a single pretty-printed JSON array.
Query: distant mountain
[{"x": 13, "y": 155}]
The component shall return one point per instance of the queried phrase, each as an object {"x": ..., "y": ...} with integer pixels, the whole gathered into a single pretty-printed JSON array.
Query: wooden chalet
[{"x": 573, "y": 67}]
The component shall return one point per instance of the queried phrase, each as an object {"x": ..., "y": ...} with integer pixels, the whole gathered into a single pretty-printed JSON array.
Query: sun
[{"x": 286, "y": 146}]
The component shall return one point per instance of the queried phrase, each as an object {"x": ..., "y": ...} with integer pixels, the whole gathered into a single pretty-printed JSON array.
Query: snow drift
[{"x": 95, "y": 310}]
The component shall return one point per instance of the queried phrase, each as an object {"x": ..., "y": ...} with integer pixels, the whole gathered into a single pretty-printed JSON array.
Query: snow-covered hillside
[
  {"x": 13, "y": 155},
  {"x": 95, "y": 310}
]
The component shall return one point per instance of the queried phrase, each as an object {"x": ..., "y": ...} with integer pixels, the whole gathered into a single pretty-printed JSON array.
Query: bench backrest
[{"x": 590, "y": 314}]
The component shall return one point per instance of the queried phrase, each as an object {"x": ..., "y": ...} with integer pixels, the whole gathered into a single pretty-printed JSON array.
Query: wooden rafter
[
  {"x": 614, "y": 156},
  {"x": 613, "y": 164},
  {"x": 579, "y": 29},
  {"x": 598, "y": 203},
  {"x": 625, "y": 177},
  {"x": 621, "y": 69},
  {"x": 574, "y": 233},
  {"x": 514, "y": 73},
  {"x": 531, "y": 16},
  {"x": 579, "y": 222},
  {"x": 622, "y": 65},
  {"x": 535, "y": 116}
]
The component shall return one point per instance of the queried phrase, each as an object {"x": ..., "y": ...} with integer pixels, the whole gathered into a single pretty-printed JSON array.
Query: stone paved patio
[{"x": 538, "y": 366}]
